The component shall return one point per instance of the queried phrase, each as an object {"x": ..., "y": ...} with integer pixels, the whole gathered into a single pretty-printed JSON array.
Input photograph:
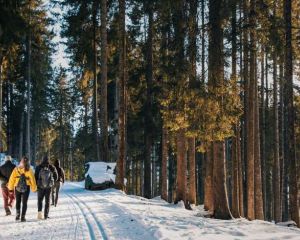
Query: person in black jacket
[
  {"x": 58, "y": 183},
  {"x": 46, "y": 176},
  {"x": 8, "y": 196}
]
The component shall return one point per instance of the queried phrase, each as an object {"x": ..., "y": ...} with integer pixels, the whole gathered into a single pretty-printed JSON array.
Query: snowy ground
[{"x": 110, "y": 214}]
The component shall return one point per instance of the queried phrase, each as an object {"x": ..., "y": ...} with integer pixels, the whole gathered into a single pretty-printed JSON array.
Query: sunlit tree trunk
[
  {"x": 216, "y": 79},
  {"x": 245, "y": 74},
  {"x": 235, "y": 139},
  {"x": 121, "y": 160},
  {"x": 181, "y": 166},
  {"x": 192, "y": 53},
  {"x": 250, "y": 122}
]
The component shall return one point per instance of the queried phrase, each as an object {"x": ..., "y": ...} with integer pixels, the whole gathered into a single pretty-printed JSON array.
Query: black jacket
[
  {"x": 60, "y": 172},
  {"x": 41, "y": 166},
  {"x": 5, "y": 171}
]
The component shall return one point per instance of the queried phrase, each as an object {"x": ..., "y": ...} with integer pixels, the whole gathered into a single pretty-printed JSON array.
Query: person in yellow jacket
[{"x": 21, "y": 181}]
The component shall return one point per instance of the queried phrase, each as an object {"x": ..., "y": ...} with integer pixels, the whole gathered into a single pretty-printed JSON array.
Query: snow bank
[{"x": 101, "y": 172}]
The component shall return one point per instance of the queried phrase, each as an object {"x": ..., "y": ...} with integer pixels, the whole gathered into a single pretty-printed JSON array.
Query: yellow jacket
[{"x": 15, "y": 177}]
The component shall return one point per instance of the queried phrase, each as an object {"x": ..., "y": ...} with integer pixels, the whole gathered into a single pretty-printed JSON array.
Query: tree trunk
[
  {"x": 245, "y": 74},
  {"x": 268, "y": 169},
  {"x": 263, "y": 131},
  {"x": 259, "y": 209},
  {"x": 164, "y": 174},
  {"x": 192, "y": 52},
  {"x": 95, "y": 89},
  {"x": 276, "y": 163},
  {"x": 61, "y": 128},
  {"x": 235, "y": 176},
  {"x": 221, "y": 206},
  {"x": 240, "y": 176},
  {"x": 250, "y": 122},
  {"x": 21, "y": 136},
  {"x": 10, "y": 145},
  {"x": 103, "y": 86},
  {"x": 192, "y": 171},
  {"x": 28, "y": 145},
  {"x": 203, "y": 41},
  {"x": 242, "y": 132},
  {"x": 208, "y": 184},
  {"x": 283, "y": 173},
  {"x": 148, "y": 113},
  {"x": 181, "y": 167},
  {"x": 171, "y": 178},
  {"x": 216, "y": 80},
  {"x": 235, "y": 139},
  {"x": 121, "y": 160},
  {"x": 290, "y": 115}
]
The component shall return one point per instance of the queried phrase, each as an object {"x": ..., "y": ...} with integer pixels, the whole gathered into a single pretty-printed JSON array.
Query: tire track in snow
[
  {"x": 99, "y": 225},
  {"x": 124, "y": 212},
  {"x": 73, "y": 213},
  {"x": 88, "y": 223}
]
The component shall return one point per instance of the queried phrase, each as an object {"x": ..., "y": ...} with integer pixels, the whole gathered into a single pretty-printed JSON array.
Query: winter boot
[
  {"x": 18, "y": 217},
  {"x": 23, "y": 219},
  {"x": 40, "y": 216},
  {"x": 8, "y": 212}
]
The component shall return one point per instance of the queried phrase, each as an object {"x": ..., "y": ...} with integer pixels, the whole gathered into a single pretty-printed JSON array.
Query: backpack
[
  {"x": 22, "y": 185},
  {"x": 46, "y": 179}
]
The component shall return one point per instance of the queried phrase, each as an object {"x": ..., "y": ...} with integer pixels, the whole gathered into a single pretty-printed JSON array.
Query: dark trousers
[
  {"x": 55, "y": 191},
  {"x": 22, "y": 197},
  {"x": 8, "y": 197},
  {"x": 44, "y": 193}
]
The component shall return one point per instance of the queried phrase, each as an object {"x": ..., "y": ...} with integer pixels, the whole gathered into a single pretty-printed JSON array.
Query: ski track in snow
[{"x": 110, "y": 214}]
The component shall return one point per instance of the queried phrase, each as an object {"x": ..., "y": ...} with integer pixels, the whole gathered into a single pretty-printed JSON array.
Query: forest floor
[{"x": 111, "y": 214}]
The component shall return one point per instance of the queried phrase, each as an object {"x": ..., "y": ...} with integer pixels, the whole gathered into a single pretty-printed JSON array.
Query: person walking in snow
[
  {"x": 46, "y": 176},
  {"x": 5, "y": 172},
  {"x": 22, "y": 181},
  {"x": 58, "y": 183}
]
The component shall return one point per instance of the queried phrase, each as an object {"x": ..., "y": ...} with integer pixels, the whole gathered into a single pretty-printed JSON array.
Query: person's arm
[
  {"x": 12, "y": 180},
  {"x": 32, "y": 178}
]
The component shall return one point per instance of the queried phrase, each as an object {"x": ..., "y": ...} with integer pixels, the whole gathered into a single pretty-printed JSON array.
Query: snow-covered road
[{"x": 110, "y": 214}]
